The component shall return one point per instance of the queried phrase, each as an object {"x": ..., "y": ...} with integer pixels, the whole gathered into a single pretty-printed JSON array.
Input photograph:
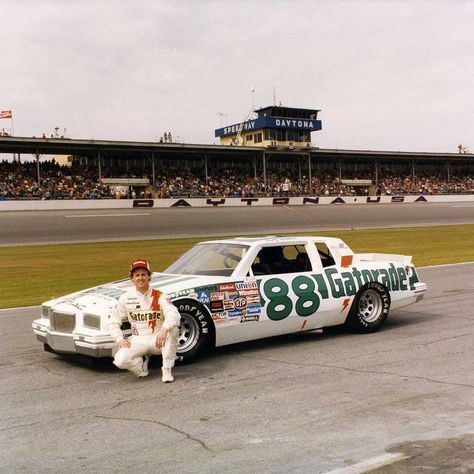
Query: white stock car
[{"x": 240, "y": 289}]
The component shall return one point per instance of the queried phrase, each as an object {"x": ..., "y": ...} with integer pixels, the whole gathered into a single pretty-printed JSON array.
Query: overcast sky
[{"x": 387, "y": 75}]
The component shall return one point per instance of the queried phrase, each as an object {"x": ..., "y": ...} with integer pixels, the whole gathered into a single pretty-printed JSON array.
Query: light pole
[{"x": 222, "y": 114}]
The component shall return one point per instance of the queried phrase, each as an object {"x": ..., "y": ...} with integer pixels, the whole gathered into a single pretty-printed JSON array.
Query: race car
[{"x": 241, "y": 289}]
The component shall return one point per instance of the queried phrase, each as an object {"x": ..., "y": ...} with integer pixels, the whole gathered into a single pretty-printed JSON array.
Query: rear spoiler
[{"x": 389, "y": 257}]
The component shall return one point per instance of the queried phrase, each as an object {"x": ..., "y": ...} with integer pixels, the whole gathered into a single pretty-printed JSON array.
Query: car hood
[{"x": 102, "y": 298}]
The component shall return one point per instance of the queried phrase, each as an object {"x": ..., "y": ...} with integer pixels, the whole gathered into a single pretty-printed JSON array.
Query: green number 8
[
  {"x": 304, "y": 289},
  {"x": 280, "y": 305}
]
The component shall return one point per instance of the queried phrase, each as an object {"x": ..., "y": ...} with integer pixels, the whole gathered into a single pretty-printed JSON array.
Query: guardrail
[{"x": 69, "y": 205}]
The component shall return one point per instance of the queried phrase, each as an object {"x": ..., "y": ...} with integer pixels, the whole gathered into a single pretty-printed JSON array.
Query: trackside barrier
[{"x": 70, "y": 205}]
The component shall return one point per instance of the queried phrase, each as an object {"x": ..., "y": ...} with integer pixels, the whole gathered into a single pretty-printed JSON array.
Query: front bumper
[{"x": 72, "y": 343}]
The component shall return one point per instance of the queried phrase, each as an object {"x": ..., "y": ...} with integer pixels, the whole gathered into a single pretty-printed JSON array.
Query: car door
[
  {"x": 289, "y": 288},
  {"x": 286, "y": 287},
  {"x": 334, "y": 303}
]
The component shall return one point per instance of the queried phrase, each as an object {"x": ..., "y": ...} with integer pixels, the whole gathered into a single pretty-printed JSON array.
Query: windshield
[{"x": 209, "y": 259}]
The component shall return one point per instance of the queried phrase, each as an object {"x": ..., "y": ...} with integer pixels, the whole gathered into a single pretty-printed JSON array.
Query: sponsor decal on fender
[
  {"x": 225, "y": 319},
  {"x": 252, "y": 292},
  {"x": 253, "y": 300},
  {"x": 254, "y": 309},
  {"x": 204, "y": 297},
  {"x": 229, "y": 304},
  {"x": 246, "y": 285},
  {"x": 240, "y": 303},
  {"x": 217, "y": 296},
  {"x": 232, "y": 294},
  {"x": 217, "y": 306},
  {"x": 177, "y": 294},
  {"x": 250, "y": 318}
]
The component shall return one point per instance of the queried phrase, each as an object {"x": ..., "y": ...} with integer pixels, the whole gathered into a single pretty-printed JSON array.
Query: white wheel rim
[
  {"x": 370, "y": 306},
  {"x": 188, "y": 333}
]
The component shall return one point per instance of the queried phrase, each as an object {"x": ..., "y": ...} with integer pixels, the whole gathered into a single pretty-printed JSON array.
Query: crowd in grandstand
[
  {"x": 20, "y": 181},
  {"x": 56, "y": 182}
]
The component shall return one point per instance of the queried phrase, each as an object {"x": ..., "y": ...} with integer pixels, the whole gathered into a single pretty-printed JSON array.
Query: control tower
[{"x": 274, "y": 127}]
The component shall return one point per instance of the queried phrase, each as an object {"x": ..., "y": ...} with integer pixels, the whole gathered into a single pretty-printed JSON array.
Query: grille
[{"x": 63, "y": 322}]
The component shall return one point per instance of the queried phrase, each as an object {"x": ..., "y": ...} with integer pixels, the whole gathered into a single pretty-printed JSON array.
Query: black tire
[
  {"x": 196, "y": 331},
  {"x": 369, "y": 309},
  {"x": 329, "y": 330}
]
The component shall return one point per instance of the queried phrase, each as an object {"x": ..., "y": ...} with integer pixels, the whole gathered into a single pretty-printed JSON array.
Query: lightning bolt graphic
[
  {"x": 152, "y": 324},
  {"x": 345, "y": 304}
]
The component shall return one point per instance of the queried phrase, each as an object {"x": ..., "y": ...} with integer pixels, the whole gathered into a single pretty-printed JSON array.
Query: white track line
[
  {"x": 445, "y": 265},
  {"x": 107, "y": 215},
  {"x": 370, "y": 464},
  {"x": 21, "y": 307}
]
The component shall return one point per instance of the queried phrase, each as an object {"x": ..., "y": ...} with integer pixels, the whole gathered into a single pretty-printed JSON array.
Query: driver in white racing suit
[{"x": 154, "y": 321}]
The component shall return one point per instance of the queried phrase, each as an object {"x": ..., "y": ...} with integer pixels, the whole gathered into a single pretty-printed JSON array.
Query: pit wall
[{"x": 71, "y": 205}]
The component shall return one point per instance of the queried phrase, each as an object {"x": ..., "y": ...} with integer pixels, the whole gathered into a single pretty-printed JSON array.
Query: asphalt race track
[
  {"x": 307, "y": 403},
  {"x": 22, "y": 228}
]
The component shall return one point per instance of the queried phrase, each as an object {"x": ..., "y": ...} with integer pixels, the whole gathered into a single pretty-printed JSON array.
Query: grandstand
[{"x": 273, "y": 167}]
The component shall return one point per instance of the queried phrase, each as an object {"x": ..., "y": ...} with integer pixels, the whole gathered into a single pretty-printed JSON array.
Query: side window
[
  {"x": 327, "y": 259},
  {"x": 291, "y": 251},
  {"x": 298, "y": 258},
  {"x": 281, "y": 259},
  {"x": 270, "y": 261}
]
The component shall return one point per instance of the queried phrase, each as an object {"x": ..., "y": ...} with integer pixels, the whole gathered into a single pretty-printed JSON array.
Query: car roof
[{"x": 272, "y": 239}]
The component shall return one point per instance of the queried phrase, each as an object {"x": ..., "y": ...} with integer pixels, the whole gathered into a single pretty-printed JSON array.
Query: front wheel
[
  {"x": 195, "y": 331},
  {"x": 369, "y": 309}
]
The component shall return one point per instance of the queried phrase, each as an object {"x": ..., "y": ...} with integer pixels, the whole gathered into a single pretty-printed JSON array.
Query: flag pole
[{"x": 13, "y": 134}]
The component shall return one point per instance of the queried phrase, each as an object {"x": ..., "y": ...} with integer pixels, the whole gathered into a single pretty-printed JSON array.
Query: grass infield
[{"x": 33, "y": 274}]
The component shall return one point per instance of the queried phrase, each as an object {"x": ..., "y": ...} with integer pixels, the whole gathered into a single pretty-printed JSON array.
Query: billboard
[{"x": 269, "y": 122}]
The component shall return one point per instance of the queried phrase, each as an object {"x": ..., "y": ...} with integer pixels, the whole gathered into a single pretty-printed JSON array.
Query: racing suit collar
[{"x": 147, "y": 292}]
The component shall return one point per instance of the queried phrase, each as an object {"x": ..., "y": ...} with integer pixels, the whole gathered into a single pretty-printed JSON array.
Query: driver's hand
[
  {"x": 124, "y": 343},
  {"x": 161, "y": 338}
]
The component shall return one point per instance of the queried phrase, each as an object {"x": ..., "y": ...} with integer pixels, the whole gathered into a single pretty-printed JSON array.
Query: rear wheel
[
  {"x": 195, "y": 331},
  {"x": 369, "y": 309}
]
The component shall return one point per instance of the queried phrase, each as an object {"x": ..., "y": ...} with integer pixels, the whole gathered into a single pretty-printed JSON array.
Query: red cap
[{"x": 140, "y": 263}]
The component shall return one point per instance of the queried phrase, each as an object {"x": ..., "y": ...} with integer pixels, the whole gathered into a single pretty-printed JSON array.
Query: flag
[{"x": 6, "y": 114}]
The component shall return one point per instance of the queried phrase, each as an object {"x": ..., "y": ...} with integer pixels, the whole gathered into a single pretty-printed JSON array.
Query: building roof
[
  {"x": 287, "y": 112},
  {"x": 58, "y": 146}
]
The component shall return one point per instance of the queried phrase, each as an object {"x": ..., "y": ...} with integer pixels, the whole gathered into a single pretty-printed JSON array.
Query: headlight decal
[{"x": 91, "y": 321}]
